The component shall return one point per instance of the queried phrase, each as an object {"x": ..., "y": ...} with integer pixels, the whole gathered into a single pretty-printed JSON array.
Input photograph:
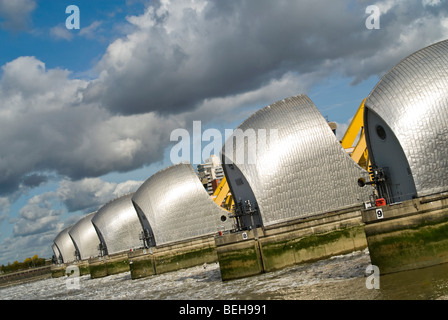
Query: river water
[{"x": 338, "y": 278}]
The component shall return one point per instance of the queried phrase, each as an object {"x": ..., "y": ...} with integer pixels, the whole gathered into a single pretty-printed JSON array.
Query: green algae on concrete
[
  {"x": 117, "y": 266},
  {"x": 413, "y": 234},
  {"x": 280, "y": 254},
  {"x": 108, "y": 265},
  {"x": 240, "y": 260},
  {"x": 172, "y": 257},
  {"x": 410, "y": 248},
  {"x": 98, "y": 268},
  {"x": 142, "y": 266},
  {"x": 57, "y": 271},
  {"x": 83, "y": 267},
  {"x": 176, "y": 260},
  {"x": 278, "y": 246}
]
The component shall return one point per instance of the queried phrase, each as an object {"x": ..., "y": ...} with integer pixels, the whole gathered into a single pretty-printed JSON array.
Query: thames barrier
[{"x": 302, "y": 197}]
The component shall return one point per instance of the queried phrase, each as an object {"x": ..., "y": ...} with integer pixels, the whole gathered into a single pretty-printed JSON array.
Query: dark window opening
[{"x": 381, "y": 132}]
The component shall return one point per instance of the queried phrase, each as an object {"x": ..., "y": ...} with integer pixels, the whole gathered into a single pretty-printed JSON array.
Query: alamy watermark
[
  {"x": 240, "y": 146},
  {"x": 373, "y": 20},
  {"x": 72, "y": 281},
  {"x": 73, "y": 21},
  {"x": 373, "y": 278}
]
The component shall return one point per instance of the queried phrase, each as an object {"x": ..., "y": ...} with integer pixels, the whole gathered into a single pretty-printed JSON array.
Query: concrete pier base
[
  {"x": 108, "y": 265},
  {"x": 83, "y": 267},
  {"x": 409, "y": 235},
  {"x": 247, "y": 253},
  {"x": 60, "y": 270},
  {"x": 185, "y": 254},
  {"x": 57, "y": 270}
]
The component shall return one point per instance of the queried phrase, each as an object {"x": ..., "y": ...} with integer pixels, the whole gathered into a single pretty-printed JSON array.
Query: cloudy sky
[{"x": 86, "y": 114}]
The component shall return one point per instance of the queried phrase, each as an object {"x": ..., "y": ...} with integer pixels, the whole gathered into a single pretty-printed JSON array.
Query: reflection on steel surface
[
  {"x": 177, "y": 207},
  {"x": 57, "y": 254},
  {"x": 304, "y": 172},
  {"x": 65, "y": 245},
  {"x": 117, "y": 225},
  {"x": 85, "y": 237},
  {"x": 411, "y": 103}
]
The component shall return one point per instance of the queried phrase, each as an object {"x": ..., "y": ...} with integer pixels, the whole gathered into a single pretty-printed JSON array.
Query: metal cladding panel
[
  {"x": 66, "y": 247},
  {"x": 178, "y": 207},
  {"x": 303, "y": 171},
  {"x": 412, "y": 99},
  {"x": 85, "y": 237},
  {"x": 56, "y": 252},
  {"x": 118, "y": 224}
]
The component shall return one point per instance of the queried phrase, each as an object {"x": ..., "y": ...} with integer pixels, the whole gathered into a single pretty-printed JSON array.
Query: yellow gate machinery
[
  {"x": 222, "y": 195},
  {"x": 359, "y": 152}
]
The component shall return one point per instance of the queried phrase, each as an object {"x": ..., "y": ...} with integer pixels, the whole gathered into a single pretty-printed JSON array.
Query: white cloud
[
  {"x": 27, "y": 86},
  {"x": 91, "y": 31},
  {"x": 37, "y": 216},
  {"x": 16, "y": 14},
  {"x": 432, "y": 3},
  {"x": 45, "y": 215},
  {"x": 182, "y": 54},
  {"x": 4, "y": 207},
  {"x": 41, "y": 111},
  {"x": 91, "y": 193},
  {"x": 61, "y": 32},
  {"x": 127, "y": 187},
  {"x": 386, "y": 5},
  {"x": 231, "y": 108},
  {"x": 20, "y": 247}
]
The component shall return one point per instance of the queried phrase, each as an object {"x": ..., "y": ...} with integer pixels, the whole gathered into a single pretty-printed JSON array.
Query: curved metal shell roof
[
  {"x": 118, "y": 226},
  {"x": 65, "y": 245},
  {"x": 85, "y": 237},
  {"x": 56, "y": 252},
  {"x": 303, "y": 171},
  {"x": 177, "y": 206},
  {"x": 412, "y": 100}
]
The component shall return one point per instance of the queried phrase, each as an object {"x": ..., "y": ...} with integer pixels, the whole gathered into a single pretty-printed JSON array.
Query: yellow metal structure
[
  {"x": 356, "y": 129},
  {"x": 222, "y": 195}
]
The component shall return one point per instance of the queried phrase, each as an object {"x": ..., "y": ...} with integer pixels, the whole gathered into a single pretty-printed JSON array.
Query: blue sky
[
  {"x": 59, "y": 52},
  {"x": 86, "y": 115}
]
